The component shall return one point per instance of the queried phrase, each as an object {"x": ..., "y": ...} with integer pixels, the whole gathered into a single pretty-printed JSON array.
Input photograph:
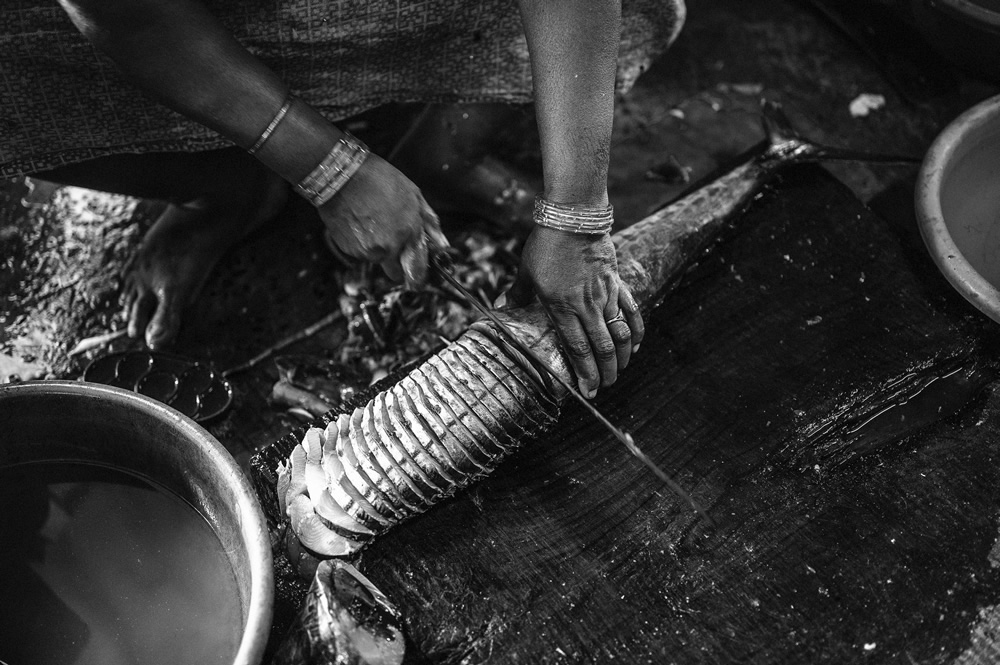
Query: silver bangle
[
  {"x": 577, "y": 218},
  {"x": 342, "y": 162},
  {"x": 275, "y": 121}
]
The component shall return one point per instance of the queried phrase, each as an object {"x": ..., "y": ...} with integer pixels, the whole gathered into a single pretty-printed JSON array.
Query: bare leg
[
  {"x": 216, "y": 199},
  {"x": 451, "y": 156}
]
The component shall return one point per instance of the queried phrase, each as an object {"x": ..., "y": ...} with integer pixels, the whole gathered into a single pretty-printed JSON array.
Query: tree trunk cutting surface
[{"x": 830, "y": 403}]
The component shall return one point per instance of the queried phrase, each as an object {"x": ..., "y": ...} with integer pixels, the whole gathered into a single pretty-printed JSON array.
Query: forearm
[
  {"x": 177, "y": 52},
  {"x": 574, "y": 50}
]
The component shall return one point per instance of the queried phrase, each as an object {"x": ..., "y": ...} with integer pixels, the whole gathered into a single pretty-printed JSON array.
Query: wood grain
[{"x": 571, "y": 552}]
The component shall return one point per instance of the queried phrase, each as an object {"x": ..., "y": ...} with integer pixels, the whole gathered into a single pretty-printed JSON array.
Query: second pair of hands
[{"x": 381, "y": 216}]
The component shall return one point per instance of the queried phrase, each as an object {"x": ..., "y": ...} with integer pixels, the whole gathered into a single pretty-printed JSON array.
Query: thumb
[
  {"x": 521, "y": 292},
  {"x": 414, "y": 262},
  {"x": 432, "y": 227}
]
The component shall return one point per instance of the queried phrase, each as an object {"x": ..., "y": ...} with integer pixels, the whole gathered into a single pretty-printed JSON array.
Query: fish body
[
  {"x": 455, "y": 417},
  {"x": 657, "y": 250}
]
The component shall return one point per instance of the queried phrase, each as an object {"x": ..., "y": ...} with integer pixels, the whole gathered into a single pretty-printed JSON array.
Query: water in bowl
[
  {"x": 100, "y": 566},
  {"x": 970, "y": 203}
]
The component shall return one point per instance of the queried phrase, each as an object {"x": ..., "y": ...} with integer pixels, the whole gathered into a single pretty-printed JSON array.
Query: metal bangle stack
[
  {"x": 584, "y": 219},
  {"x": 342, "y": 162}
]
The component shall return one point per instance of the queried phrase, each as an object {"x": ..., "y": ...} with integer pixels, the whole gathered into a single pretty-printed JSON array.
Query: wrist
[
  {"x": 299, "y": 142},
  {"x": 571, "y": 191},
  {"x": 575, "y": 218},
  {"x": 330, "y": 175}
]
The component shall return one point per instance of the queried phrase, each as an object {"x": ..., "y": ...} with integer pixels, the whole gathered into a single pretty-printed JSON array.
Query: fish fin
[
  {"x": 785, "y": 145},
  {"x": 777, "y": 126}
]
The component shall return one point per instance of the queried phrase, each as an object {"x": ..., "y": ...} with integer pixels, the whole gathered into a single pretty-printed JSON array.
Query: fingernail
[
  {"x": 635, "y": 348},
  {"x": 501, "y": 301},
  {"x": 153, "y": 338}
]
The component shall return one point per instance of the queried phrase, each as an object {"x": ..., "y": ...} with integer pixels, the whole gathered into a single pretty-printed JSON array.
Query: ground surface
[{"x": 692, "y": 111}]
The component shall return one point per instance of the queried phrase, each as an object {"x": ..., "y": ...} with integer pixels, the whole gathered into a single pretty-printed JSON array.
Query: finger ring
[{"x": 617, "y": 317}]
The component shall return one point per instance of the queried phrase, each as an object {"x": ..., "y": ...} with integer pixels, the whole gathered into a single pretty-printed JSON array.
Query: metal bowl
[
  {"x": 958, "y": 205},
  {"x": 967, "y": 32},
  {"x": 87, "y": 422}
]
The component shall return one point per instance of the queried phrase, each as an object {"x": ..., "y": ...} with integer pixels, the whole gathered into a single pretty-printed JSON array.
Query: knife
[{"x": 443, "y": 264}]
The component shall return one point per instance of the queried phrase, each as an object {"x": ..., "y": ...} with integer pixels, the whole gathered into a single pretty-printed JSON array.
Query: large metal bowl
[
  {"x": 87, "y": 422},
  {"x": 958, "y": 205}
]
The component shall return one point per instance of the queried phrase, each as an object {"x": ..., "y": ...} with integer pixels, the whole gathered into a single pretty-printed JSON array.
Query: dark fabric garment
[{"x": 64, "y": 102}]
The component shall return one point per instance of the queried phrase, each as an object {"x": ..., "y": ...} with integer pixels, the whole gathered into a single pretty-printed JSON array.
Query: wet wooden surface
[{"x": 882, "y": 551}]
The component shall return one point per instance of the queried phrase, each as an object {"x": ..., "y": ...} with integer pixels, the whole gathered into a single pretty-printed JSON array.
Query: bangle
[
  {"x": 343, "y": 161},
  {"x": 579, "y": 218},
  {"x": 278, "y": 117}
]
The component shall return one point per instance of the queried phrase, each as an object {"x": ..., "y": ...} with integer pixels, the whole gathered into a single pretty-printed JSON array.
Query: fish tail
[
  {"x": 786, "y": 145},
  {"x": 778, "y": 127}
]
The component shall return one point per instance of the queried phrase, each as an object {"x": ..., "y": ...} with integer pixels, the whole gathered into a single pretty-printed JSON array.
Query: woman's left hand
[{"x": 576, "y": 280}]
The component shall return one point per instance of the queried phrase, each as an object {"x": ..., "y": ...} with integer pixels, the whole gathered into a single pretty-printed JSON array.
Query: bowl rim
[
  {"x": 930, "y": 218},
  {"x": 972, "y": 11},
  {"x": 252, "y": 522}
]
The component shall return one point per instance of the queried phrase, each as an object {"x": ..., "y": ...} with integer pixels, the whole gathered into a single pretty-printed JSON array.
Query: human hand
[
  {"x": 380, "y": 216},
  {"x": 576, "y": 280}
]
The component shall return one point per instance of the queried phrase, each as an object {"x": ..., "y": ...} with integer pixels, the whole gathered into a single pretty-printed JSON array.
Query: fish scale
[
  {"x": 467, "y": 430},
  {"x": 394, "y": 449}
]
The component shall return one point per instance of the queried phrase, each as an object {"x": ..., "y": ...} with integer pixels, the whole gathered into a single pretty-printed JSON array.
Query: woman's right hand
[{"x": 380, "y": 216}]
